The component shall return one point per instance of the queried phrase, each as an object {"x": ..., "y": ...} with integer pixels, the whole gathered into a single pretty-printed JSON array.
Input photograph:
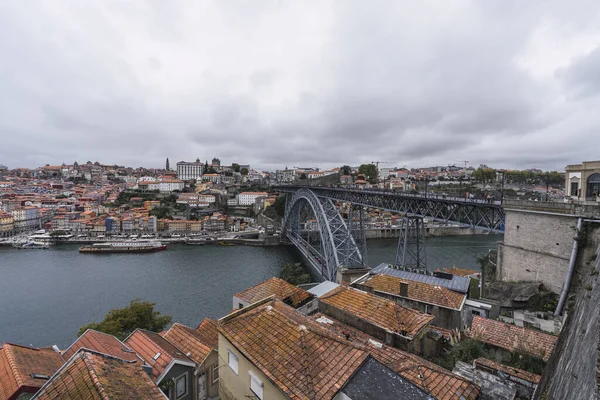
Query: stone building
[{"x": 582, "y": 181}]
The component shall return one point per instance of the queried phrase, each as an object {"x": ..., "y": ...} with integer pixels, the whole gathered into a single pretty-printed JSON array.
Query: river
[{"x": 46, "y": 295}]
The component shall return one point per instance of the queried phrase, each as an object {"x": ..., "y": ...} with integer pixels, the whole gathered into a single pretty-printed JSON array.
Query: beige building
[{"x": 582, "y": 181}]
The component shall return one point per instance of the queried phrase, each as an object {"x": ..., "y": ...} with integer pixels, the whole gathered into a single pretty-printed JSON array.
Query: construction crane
[
  {"x": 464, "y": 161},
  {"x": 381, "y": 162}
]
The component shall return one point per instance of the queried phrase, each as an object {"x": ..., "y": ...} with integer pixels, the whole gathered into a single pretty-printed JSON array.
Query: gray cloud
[{"x": 512, "y": 84}]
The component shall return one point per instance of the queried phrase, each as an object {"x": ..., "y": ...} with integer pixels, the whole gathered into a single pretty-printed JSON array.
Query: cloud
[{"x": 275, "y": 84}]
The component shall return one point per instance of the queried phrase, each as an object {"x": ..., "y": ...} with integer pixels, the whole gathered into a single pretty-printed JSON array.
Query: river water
[{"x": 46, "y": 295}]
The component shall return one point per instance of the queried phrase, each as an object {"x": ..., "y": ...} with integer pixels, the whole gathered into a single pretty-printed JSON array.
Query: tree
[
  {"x": 303, "y": 176},
  {"x": 280, "y": 205},
  {"x": 369, "y": 171},
  {"x": 244, "y": 171},
  {"x": 161, "y": 212},
  {"x": 235, "y": 167},
  {"x": 346, "y": 170},
  {"x": 295, "y": 274},
  {"x": 121, "y": 322}
]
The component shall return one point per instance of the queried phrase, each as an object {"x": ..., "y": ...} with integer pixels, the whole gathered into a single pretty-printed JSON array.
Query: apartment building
[{"x": 189, "y": 170}]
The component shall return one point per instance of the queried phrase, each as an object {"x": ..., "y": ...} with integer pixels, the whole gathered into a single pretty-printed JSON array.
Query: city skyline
[{"x": 300, "y": 84}]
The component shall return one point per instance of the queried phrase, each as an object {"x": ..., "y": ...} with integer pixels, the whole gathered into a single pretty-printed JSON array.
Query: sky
[{"x": 274, "y": 83}]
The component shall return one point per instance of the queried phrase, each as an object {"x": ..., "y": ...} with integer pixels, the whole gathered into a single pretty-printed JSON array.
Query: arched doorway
[{"x": 593, "y": 187}]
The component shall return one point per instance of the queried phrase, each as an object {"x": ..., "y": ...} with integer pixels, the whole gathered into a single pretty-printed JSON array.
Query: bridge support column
[{"x": 411, "y": 244}]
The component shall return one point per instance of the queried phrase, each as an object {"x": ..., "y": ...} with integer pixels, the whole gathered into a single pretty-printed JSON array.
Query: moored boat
[
  {"x": 123, "y": 247},
  {"x": 31, "y": 245},
  {"x": 195, "y": 241}
]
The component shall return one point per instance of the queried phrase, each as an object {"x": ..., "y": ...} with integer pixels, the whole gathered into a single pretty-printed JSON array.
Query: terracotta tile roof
[
  {"x": 280, "y": 288},
  {"x": 92, "y": 375},
  {"x": 461, "y": 271},
  {"x": 418, "y": 291},
  {"x": 189, "y": 341},
  {"x": 516, "y": 372},
  {"x": 301, "y": 358},
  {"x": 433, "y": 379},
  {"x": 102, "y": 343},
  {"x": 511, "y": 337},
  {"x": 208, "y": 333},
  {"x": 378, "y": 311},
  {"x": 149, "y": 344},
  {"x": 17, "y": 363}
]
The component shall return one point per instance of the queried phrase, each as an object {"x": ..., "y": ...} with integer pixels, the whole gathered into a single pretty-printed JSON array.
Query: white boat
[{"x": 30, "y": 245}]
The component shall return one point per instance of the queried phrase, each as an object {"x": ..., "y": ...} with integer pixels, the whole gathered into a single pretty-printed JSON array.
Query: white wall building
[
  {"x": 189, "y": 170},
  {"x": 248, "y": 198},
  {"x": 170, "y": 185}
]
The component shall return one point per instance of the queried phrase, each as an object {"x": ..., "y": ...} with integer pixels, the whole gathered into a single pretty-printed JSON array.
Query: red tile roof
[
  {"x": 149, "y": 344},
  {"x": 435, "y": 380},
  {"x": 304, "y": 360},
  {"x": 512, "y": 338},
  {"x": 102, "y": 343},
  {"x": 282, "y": 290},
  {"x": 516, "y": 372},
  {"x": 378, "y": 311},
  {"x": 91, "y": 375},
  {"x": 17, "y": 363},
  {"x": 418, "y": 291},
  {"x": 208, "y": 333},
  {"x": 189, "y": 341},
  {"x": 461, "y": 271}
]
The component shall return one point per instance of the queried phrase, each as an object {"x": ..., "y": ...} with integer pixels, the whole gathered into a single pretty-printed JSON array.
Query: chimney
[{"x": 403, "y": 289}]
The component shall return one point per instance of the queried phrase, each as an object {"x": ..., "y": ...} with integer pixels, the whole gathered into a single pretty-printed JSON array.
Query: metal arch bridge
[
  {"x": 336, "y": 245},
  {"x": 340, "y": 244},
  {"x": 477, "y": 214}
]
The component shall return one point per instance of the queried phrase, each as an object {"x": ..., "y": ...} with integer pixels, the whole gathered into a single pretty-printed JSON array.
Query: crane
[
  {"x": 381, "y": 162},
  {"x": 464, "y": 161}
]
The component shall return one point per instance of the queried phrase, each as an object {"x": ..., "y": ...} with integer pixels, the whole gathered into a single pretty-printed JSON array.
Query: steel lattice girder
[
  {"x": 468, "y": 213},
  {"x": 339, "y": 247}
]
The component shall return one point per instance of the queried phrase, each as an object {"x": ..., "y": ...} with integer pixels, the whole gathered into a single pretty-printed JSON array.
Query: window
[
  {"x": 256, "y": 385},
  {"x": 181, "y": 386},
  {"x": 574, "y": 188},
  {"x": 233, "y": 361},
  {"x": 215, "y": 374}
]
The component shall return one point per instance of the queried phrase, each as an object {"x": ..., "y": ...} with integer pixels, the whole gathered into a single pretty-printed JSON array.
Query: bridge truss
[
  {"x": 476, "y": 214},
  {"x": 319, "y": 231}
]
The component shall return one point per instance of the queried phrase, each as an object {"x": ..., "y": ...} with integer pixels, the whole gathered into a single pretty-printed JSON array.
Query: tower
[{"x": 167, "y": 167}]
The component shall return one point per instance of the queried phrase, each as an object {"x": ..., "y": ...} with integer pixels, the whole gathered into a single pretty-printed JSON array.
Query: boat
[
  {"x": 124, "y": 247},
  {"x": 223, "y": 243},
  {"x": 30, "y": 245},
  {"x": 195, "y": 241}
]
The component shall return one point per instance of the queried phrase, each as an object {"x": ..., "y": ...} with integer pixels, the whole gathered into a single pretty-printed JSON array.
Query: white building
[
  {"x": 285, "y": 175},
  {"x": 214, "y": 178},
  {"x": 169, "y": 185},
  {"x": 189, "y": 170},
  {"x": 248, "y": 198},
  {"x": 232, "y": 202}
]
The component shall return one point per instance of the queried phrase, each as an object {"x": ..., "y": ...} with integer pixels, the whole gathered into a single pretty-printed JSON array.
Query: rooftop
[
  {"x": 516, "y": 372},
  {"x": 419, "y": 291},
  {"x": 156, "y": 351},
  {"x": 303, "y": 359},
  {"x": 378, "y": 311},
  {"x": 456, "y": 283},
  {"x": 103, "y": 343},
  {"x": 208, "y": 333},
  {"x": 512, "y": 338},
  {"x": 282, "y": 290},
  {"x": 433, "y": 379},
  {"x": 18, "y": 363},
  {"x": 189, "y": 341},
  {"x": 92, "y": 375}
]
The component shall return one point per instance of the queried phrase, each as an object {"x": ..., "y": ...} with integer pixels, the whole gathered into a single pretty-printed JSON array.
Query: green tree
[
  {"x": 280, "y": 205},
  {"x": 303, "y": 176},
  {"x": 369, "y": 171},
  {"x": 295, "y": 274},
  {"x": 235, "y": 167},
  {"x": 346, "y": 170},
  {"x": 120, "y": 322},
  {"x": 244, "y": 171},
  {"x": 161, "y": 212}
]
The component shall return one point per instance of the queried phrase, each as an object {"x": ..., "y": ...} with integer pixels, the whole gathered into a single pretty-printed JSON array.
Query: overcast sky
[{"x": 514, "y": 84}]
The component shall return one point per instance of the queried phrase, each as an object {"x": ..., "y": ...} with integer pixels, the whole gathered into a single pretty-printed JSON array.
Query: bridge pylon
[{"x": 411, "y": 244}]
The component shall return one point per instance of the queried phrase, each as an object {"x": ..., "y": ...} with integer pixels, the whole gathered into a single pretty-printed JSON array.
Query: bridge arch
[{"x": 337, "y": 246}]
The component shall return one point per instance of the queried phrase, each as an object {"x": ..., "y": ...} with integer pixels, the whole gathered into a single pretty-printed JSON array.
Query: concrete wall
[
  {"x": 234, "y": 386},
  {"x": 537, "y": 247}
]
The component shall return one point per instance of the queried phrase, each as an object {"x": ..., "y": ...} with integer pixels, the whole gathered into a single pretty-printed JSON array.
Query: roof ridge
[
  {"x": 190, "y": 331},
  {"x": 306, "y": 364},
  {"x": 94, "y": 376},
  {"x": 13, "y": 365},
  {"x": 163, "y": 351}
]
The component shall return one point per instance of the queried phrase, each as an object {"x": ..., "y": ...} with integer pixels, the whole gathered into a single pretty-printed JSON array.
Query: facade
[
  {"x": 285, "y": 175},
  {"x": 214, "y": 178},
  {"x": 189, "y": 170},
  {"x": 170, "y": 185},
  {"x": 6, "y": 224},
  {"x": 582, "y": 181},
  {"x": 248, "y": 198}
]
